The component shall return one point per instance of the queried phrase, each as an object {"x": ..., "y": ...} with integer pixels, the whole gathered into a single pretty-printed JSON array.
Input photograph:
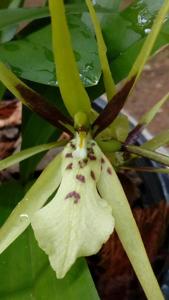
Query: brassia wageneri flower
[
  {"x": 77, "y": 201},
  {"x": 65, "y": 227}
]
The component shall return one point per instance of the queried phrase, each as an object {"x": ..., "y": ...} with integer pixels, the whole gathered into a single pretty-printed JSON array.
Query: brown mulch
[
  {"x": 111, "y": 269},
  {"x": 10, "y": 121}
]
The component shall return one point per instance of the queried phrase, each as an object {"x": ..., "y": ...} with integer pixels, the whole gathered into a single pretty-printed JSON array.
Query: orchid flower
[
  {"x": 78, "y": 220},
  {"x": 78, "y": 200}
]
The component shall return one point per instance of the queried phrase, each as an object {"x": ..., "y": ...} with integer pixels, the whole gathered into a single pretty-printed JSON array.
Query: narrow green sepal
[
  {"x": 34, "y": 199},
  {"x": 72, "y": 90}
]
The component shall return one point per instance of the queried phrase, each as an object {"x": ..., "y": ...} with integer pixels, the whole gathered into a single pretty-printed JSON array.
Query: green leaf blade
[
  {"x": 10, "y": 17},
  {"x": 149, "y": 42}
]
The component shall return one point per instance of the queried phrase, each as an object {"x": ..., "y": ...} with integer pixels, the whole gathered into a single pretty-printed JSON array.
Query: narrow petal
[
  {"x": 110, "y": 188},
  {"x": 24, "y": 154},
  {"x": 77, "y": 221},
  {"x": 34, "y": 199}
]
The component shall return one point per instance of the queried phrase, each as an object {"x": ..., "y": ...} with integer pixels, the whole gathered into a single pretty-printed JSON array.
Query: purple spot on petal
[
  {"x": 69, "y": 167},
  {"x": 109, "y": 171},
  {"x": 91, "y": 156},
  {"x": 82, "y": 163},
  {"x": 81, "y": 178},
  {"x": 72, "y": 146},
  {"x": 68, "y": 155},
  {"x": 102, "y": 160},
  {"x": 74, "y": 195},
  {"x": 90, "y": 150}
]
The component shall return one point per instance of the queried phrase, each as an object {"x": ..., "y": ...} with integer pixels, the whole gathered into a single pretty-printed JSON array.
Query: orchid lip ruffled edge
[{"x": 77, "y": 221}]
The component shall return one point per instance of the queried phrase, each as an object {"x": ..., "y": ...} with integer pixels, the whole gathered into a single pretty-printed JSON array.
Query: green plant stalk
[
  {"x": 109, "y": 84},
  {"x": 149, "y": 116},
  {"x": 129, "y": 235},
  {"x": 149, "y": 43},
  {"x": 34, "y": 199},
  {"x": 146, "y": 169},
  {"x": 158, "y": 141},
  {"x": 161, "y": 158},
  {"x": 72, "y": 90},
  {"x": 22, "y": 155}
]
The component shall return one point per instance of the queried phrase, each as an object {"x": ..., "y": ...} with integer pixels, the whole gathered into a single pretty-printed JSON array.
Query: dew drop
[
  {"x": 142, "y": 20},
  {"x": 147, "y": 30},
  {"x": 24, "y": 217}
]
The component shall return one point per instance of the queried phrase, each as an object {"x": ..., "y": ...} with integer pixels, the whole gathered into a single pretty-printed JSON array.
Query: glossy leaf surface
[
  {"x": 123, "y": 42},
  {"x": 32, "y": 57}
]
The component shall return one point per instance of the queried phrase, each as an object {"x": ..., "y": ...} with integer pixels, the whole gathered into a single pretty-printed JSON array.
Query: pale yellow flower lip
[{"x": 77, "y": 221}]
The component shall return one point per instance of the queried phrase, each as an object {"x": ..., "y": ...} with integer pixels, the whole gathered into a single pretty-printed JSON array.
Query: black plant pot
[{"x": 157, "y": 188}]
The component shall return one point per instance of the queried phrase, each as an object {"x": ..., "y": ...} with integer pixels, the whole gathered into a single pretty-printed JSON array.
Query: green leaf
[
  {"x": 161, "y": 158},
  {"x": 13, "y": 16},
  {"x": 32, "y": 99},
  {"x": 32, "y": 58},
  {"x": 19, "y": 156},
  {"x": 149, "y": 42},
  {"x": 109, "y": 84},
  {"x": 25, "y": 272},
  {"x": 124, "y": 42},
  {"x": 10, "y": 17},
  {"x": 10, "y": 3},
  {"x": 124, "y": 33},
  {"x": 8, "y": 33},
  {"x": 72, "y": 90}
]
